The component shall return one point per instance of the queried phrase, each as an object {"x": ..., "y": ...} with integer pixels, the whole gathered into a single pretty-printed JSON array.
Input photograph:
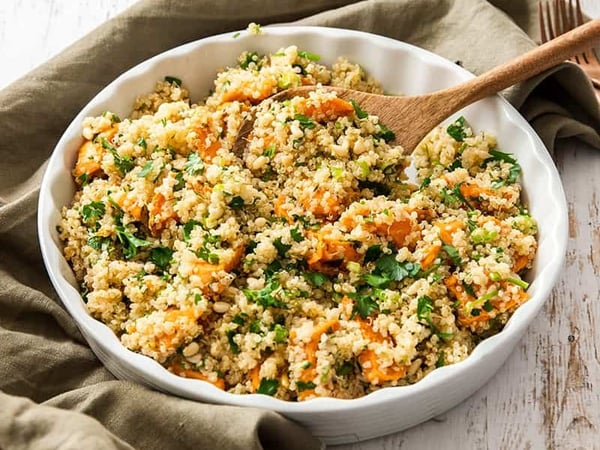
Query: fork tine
[{"x": 576, "y": 10}]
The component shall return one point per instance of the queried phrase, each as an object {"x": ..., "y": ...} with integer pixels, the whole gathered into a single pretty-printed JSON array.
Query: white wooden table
[{"x": 547, "y": 395}]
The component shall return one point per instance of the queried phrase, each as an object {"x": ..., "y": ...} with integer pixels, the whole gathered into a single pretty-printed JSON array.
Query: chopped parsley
[
  {"x": 161, "y": 257},
  {"x": 194, "y": 165},
  {"x": 270, "y": 151},
  {"x": 359, "y": 112},
  {"x": 316, "y": 278},
  {"x": 282, "y": 248},
  {"x": 268, "y": 386},
  {"x": 346, "y": 368},
  {"x": 180, "y": 182},
  {"x": 142, "y": 143},
  {"x": 305, "y": 122},
  {"x": 457, "y": 129},
  {"x": 123, "y": 163},
  {"x": 93, "y": 210},
  {"x": 453, "y": 254},
  {"x": 130, "y": 242},
  {"x": 304, "y": 386},
  {"x": 364, "y": 305},
  {"x": 249, "y": 58},
  {"x": 235, "y": 348},
  {"x": 266, "y": 296},
  {"x": 296, "y": 234},
  {"x": 236, "y": 202},
  {"x": 173, "y": 80},
  {"x": 386, "y": 134},
  {"x": 373, "y": 253}
]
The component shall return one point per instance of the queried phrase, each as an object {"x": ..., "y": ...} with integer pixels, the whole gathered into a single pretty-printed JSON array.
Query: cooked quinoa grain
[{"x": 310, "y": 266}]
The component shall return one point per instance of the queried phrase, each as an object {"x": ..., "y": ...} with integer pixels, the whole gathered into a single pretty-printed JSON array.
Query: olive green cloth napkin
[{"x": 54, "y": 392}]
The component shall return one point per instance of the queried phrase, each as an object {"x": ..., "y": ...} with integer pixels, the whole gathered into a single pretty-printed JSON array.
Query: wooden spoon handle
[{"x": 523, "y": 67}]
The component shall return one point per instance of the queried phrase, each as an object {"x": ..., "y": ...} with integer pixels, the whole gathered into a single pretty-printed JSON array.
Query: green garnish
[
  {"x": 296, "y": 235},
  {"x": 130, "y": 242},
  {"x": 235, "y": 348},
  {"x": 386, "y": 134},
  {"x": 457, "y": 129},
  {"x": 236, "y": 202},
  {"x": 249, "y": 58},
  {"x": 161, "y": 257},
  {"x": 305, "y": 122},
  {"x": 194, "y": 165},
  {"x": 142, "y": 143},
  {"x": 266, "y": 296},
  {"x": 365, "y": 305},
  {"x": 123, "y": 163},
  {"x": 187, "y": 229},
  {"x": 303, "y": 386},
  {"x": 359, "y": 112},
  {"x": 373, "y": 253},
  {"x": 424, "y": 308},
  {"x": 180, "y": 182},
  {"x": 268, "y": 386},
  {"x": 470, "y": 307},
  {"x": 453, "y": 254},
  {"x": 173, "y": 80},
  {"x": 281, "y": 247},
  {"x": 346, "y": 368},
  {"x": 270, "y": 151},
  {"x": 93, "y": 210},
  {"x": 316, "y": 278}
]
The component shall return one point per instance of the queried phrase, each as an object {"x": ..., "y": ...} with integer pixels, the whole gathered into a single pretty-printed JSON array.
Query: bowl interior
[{"x": 400, "y": 68}]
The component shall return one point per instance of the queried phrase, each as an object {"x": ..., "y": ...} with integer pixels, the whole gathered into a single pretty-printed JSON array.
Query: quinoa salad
[{"x": 310, "y": 266}]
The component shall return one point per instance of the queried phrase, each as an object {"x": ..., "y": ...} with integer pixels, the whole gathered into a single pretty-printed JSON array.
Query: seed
[
  {"x": 221, "y": 307},
  {"x": 191, "y": 349}
]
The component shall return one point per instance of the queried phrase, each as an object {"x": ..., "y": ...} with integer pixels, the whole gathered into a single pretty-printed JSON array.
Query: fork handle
[{"x": 523, "y": 67}]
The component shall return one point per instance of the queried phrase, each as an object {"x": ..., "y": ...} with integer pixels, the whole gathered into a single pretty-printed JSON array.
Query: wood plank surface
[{"x": 547, "y": 395}]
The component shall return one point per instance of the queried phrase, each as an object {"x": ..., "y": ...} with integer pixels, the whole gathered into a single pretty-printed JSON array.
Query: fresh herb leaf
[
  {"x": 236, "y": 202},
  {"x": 281, "y": 247},
  {"x": 93, "y": 210},
  {"x": 256, "y": 327},
  {"x": 194, "y": 165},
  {"x": 142, "y": 143},
  {"x": 266, "y": 296},
  {"x": 424, "y": 308},
  {"x": 249, "y": 58},
  {"x": 268, "y": 386},
  {"x": 377, "y": 281},
  {"x": 394, "y": 270},
  {"x": 180, "y": 182},
  {"x": 236, "y": 35},
  {"x": 161, "y": 257},
  {"x": 305, "y": 122},
  {"x": 296, "y": 234},
  {"x": 453, "y": 254},
  {"x": 316, "y": 278},
  {"x": 469, "y": 289},
  {"x": 98, "y": 242},
  {"x": 83, "y": 178},
  {"x": 359, "y": 112},
  {"x": 173, "y": 80},
  {"x": 235, "y": 348},
  {"x": 270, "y": 151},
  {"x": 497, "y": 155},
  {"x": 441, "y": 360},
  {"x": 123, "y": 163},
  {"x": 386, "y": 134},
  {"x": 187, "y": 229},
  {"x": 426, "y": 182},
  {"x": 457, "y": 129},
  {"x": 373, "y": 253},
  {"x": 304, "y": 386},
  {"x": 365, "y": 305},
  {"x": 130, "y": 242},
  {"x": 346, "y": 368}
]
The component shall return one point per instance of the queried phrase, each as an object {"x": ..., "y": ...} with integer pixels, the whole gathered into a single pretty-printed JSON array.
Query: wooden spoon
[{"x": 411, "y": 118}]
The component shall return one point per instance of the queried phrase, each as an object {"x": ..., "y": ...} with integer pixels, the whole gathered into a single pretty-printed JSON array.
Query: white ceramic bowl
[{"x": 400, "y": 68}]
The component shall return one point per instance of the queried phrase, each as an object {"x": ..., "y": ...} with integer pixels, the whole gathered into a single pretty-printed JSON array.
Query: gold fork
[{"x": 566, "y": 17}]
